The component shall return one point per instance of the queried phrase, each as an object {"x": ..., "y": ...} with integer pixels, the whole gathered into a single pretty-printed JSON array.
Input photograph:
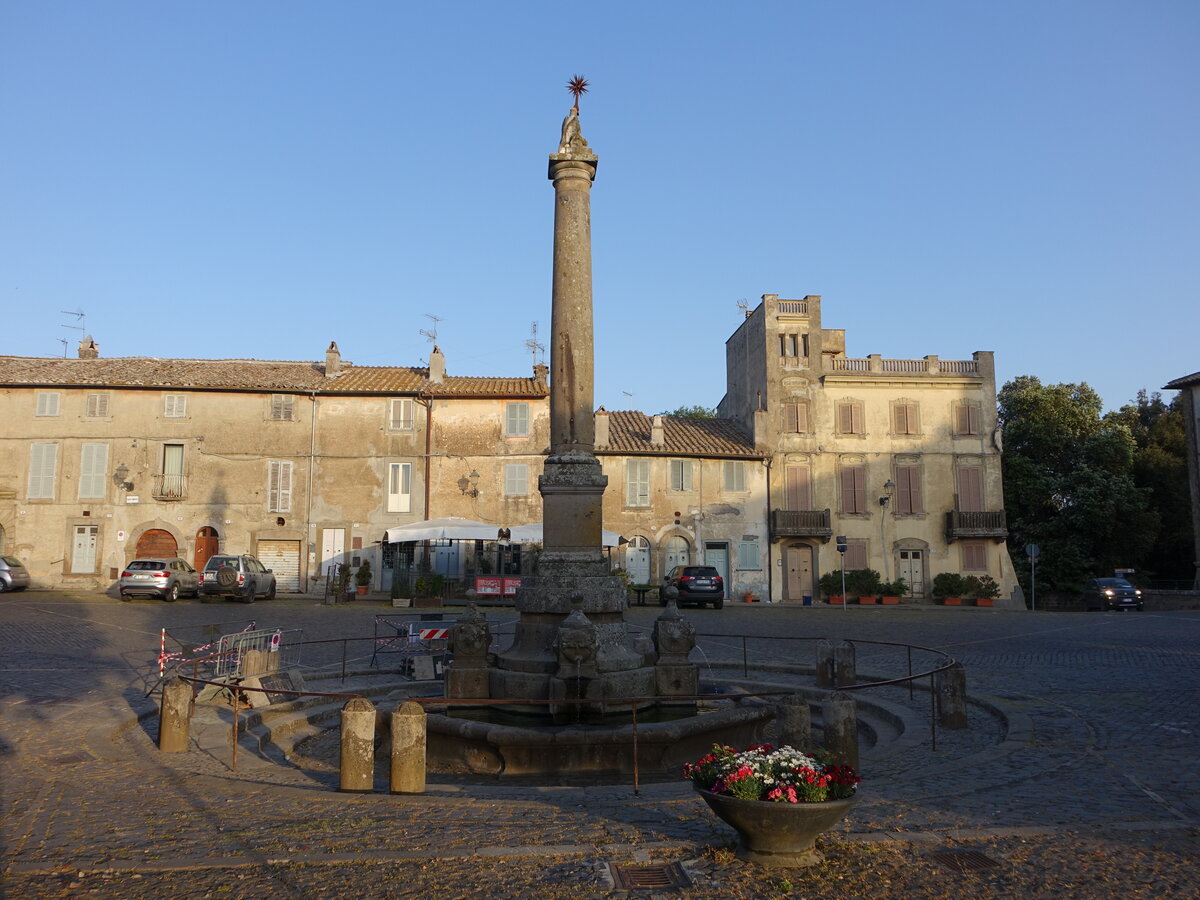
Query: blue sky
[{"x": 229, "y": 179}]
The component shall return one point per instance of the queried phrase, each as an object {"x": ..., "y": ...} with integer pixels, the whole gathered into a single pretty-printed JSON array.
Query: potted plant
[
  {"x": 831, "y": 586},
  {"x": 777, "y": 799},
  {"x": 983, "y": 589},
  {"x": 891, "y": 591},
  {"x": 362, "y": 578},
  {"x": 863, "y": 584},
  {"x": 949, "y": 588}
]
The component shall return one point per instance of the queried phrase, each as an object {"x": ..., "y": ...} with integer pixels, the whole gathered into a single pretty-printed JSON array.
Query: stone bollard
[
  {"x": 952, "y": 697},
  {"x": 843, "y": 664},
  {"x": 841, "y": 727},
  {"x": 174, "y": 716},
  {"x": 794, "y": 723},
  {"x": 824, "y": 671},
  {"x": 408, "y": 749},
  {"x": 358, "y": 747}
]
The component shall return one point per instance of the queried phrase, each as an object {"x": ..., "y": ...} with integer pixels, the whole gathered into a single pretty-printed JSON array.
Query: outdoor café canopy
[{"x": 454, "y": 528}]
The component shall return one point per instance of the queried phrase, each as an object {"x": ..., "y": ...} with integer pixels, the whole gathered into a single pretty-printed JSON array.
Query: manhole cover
[
  {"x": 963, "y": 860},
  {"x": 663, "y": 875}
]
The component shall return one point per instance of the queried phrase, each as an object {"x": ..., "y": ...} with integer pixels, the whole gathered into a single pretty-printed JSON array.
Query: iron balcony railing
[
  {"x": 801, "y": 523},
  {"x": 170, "y": 487},
  {"x": 960, "y": 525}
]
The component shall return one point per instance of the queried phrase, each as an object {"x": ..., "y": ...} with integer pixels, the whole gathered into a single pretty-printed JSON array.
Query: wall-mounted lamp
[
  {"x": 469, "y": 484},
  {"x": 889, "y": 488},
  {"x": 120, "y": 477}
]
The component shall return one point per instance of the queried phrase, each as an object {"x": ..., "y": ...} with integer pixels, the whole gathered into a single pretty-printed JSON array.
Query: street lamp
[
  {"x": 469, "y": 484},
  {"x": 121, "y": 477},
  {"x": 889, "y": 488}
]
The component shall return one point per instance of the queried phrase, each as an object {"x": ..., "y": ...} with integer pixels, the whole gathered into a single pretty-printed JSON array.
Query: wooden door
[
  {"x": 157, "y": 544},
  {"x": 798, "y": 561},
  {"x": 207, "y": 542}
]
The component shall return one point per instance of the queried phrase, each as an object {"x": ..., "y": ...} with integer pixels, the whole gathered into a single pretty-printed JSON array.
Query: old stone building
[{"x": 900, "y": 456}]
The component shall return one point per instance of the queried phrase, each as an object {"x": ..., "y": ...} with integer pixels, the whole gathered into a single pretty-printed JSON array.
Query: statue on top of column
[{"x": 572, "y": 139}]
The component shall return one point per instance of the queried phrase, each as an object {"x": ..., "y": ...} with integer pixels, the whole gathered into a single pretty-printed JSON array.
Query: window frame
[
  {"x": 974, "y": 556},
  {"x": 796, "y": 417},
  {"x": 175, "y": 406},
  {"x": 973, "y": 415},
  {"x": 516, "y": 479},
  {"x": 749, "y": 557},
  {"x": 401, "y": 422},
  {"x": 516, "y": 419},
  {"x": 48, "y": 404},
  {"x": 909, "y": 498},
  {"x": 398, "y": 487},
  {"x": 637, "y": 483},
  {"x": 733, "y": 476},
  {"x": 283, "y": 408},
  {"x": 100, "y": 401},
  {"x": 93, "y": 473},
  {"x": 279, "y": 494},
  {"x": 857, "y": 548},
  {"x": 48, "y": 480},
  {"x": 855, "y": 426},
  {"x": 910, "y": 412},
  {"x": 852, "y": 485},
  {"x": 680, "y": 473}
]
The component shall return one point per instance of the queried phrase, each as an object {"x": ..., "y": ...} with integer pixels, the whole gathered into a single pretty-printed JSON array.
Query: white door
[
  {"x": 911, "y": 566},
  {"x": 333, "y": 549},
  {"x": 678, "y": 554},
  {"x": 282, "y": 558},
  {"x": 637, "y": 560},
  {"x": 717, "y": 556},
  {"x": 83, "y": 551},
  {"x": 798, "y": 560}
]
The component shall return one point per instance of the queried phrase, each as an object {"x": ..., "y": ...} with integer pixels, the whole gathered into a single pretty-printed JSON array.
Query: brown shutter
[
  {"x": 789, "y": 418},
  {"x": 845, "y": 418},
  {"x": 970, "y": 489},
  {"x": 974, "y": 556},
  {"x": 797, "y": 487},
  {"x": 802, "y": 418},
  {"x": 908, "y": 490},
  {"x": 853, "y": 489},
  {"x": 856, "y": 555},
  {"x": 900, "y": 419},
  {"x": 856, "y": 419}
]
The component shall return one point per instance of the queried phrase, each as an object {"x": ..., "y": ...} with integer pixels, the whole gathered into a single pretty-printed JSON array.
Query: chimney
[
  {"x": 88, "y": 348},
  {"x": 656, "y": 431},
  {"x": 601, "y": 424},
  {"x": 333, "y": 360},
  {"x": 541, "y": 371},
  {"x": 437, "y": 366}
]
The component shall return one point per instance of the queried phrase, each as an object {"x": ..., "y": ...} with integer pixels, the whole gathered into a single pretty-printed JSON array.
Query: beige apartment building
[{"x": 899, "y": 456}]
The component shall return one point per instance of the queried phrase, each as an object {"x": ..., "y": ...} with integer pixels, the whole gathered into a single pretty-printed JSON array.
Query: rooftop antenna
[
  {"x": 79, "y": 315},
  {"x": 431, "y": 333},
  {"x": 63, "y": 341},
  {"x": 744, "y": 306},
  {"x": 533, "y": 345}
]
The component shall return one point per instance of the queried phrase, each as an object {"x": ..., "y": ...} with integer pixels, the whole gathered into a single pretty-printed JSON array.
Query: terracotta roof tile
[
  {"x": 253, "y": 375},
  {"x": 629, "y": 432}
]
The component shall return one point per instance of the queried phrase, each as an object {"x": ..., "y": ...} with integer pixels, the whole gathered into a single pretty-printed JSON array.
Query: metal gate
[{"x": 283, "y": 558}]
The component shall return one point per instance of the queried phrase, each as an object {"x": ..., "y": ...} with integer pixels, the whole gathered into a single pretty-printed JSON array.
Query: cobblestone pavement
[{"x": 1077, "y": 777}]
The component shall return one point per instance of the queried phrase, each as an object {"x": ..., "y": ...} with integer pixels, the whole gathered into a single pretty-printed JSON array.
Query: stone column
[
  {"x": 174, "y": 716},
  {"x": 408, "y": 749},
  {"x": 824, "y": 663},
  {"x": 952, "y": 697},
  {"x": 844, "y": 664},
  {"x": 841, "y": 727},
  {"x": 794, "y": 723},
  {"x": 358, "y": 747}
]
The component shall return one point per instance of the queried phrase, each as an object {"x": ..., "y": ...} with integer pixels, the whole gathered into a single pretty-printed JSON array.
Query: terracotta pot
[
  {"x": 836, "y": 601},
  {"x": 952, "y": 601},
  {"x": 985, "y": 601},
  {"x": 890, "y": 601},
  {"x": 867, "y": 601},
  {"x": 362, "y": 589},
  {"x": 777, "y": 834}
]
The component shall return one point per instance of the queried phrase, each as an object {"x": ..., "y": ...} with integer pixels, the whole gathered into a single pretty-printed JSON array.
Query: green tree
[
  {"x": 692, "y": 412},
  {"x": 1069, "y": 485}
]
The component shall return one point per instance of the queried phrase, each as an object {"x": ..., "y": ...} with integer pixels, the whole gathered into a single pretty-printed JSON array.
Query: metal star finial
[{"x": 577, "y": 85}]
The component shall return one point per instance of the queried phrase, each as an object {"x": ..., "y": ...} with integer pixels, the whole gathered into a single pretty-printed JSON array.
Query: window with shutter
[
  {"x": 905, "y": 419},
  {"x": 735, "y": 475},
  {"x": 401, "y": 414},
  {"x": 43, "y": 466},
  {"x": 974, "y": 556},
  {"x": 854, "y": 489},
  {"x": 637, "y": 482},
  {"x": 97, "y": 406},
  {"x": 856, "y": 555},
  {"x": 516, "y": 480},
  {"x": 748, "y": 556},
  {"x": 399, "y": 495},
  {"x": 516, "y": 420},
  {"x": 93, "y": 471},
  {"x": 970, "y": 489},
  {"x": 797, "y": 487},
  {"x": 681, "y": 474},
  {"x": 795, "y": 418},
  {"x": 47, "y": 403},
  {"x": 850, "y": 418},
  {"x": 279, "y": 486},
  {"x": 174, "y": 406},
  {"x": 967, "y": 418},
  {"x": 908, "y": 490},
  {"x": 282, "y": 407}
]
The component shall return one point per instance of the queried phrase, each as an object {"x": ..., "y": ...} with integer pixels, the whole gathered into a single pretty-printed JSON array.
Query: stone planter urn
[{"x": 777, "y": 834}]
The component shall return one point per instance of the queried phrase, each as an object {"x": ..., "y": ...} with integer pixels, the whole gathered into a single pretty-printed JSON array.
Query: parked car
[
  {"x": 1111, "y": 593},
  {"x": 696, "y": 584},
  {"x": 13, "y": 574},
  {"x": 162, "y": 578},
  {"x": 237, "y": 578}
]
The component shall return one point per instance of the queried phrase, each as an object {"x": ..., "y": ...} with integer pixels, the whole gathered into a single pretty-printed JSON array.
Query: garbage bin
[{"x": 808, "y": 599}]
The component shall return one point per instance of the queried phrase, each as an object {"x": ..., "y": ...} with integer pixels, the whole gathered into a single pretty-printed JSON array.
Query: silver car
[
  {"x": 13, "y": 575},
  {"x": 165, "y": 578}
]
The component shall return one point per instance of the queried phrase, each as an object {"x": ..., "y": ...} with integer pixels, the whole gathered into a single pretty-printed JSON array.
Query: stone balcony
[
  {"x": 877, "y": 365},
  {"x": 789, "y": 523},
  {"x": 962, "y": 525}
]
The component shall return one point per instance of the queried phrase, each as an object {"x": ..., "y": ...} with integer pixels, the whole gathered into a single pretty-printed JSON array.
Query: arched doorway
[
  {"x": 207, "y": 542},
  {"x": 157, "y": 544},
  {"x": 637, "y": 560},
  {"x": 799, "y": 574},
  {"x": 677, "y": 553}
]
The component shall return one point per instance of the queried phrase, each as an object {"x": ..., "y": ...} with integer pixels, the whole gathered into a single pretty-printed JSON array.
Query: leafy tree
[
  {"x": 692, "y": 412},
  {"x": 1069, "y": 485}
]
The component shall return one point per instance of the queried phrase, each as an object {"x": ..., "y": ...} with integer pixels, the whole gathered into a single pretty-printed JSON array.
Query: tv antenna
[
  {"x": 431, "y": 333},
  {"x": 63, "y": 341},
  {"x": 533, "y": 345},
  {"x": 744, "y": 306},
  {"x": 80, "y": 317}
]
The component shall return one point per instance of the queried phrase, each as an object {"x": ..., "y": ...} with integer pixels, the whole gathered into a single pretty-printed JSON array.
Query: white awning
[
  {"x": 532, "y": 534},
  {"x": 449, "y": 528}
]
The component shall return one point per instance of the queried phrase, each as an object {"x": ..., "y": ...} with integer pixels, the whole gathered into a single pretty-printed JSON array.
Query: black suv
[
  {"x": 237, "y": 578},
  {"x": 1111, "y": 593},
  {"x": 696, "y": 584}
]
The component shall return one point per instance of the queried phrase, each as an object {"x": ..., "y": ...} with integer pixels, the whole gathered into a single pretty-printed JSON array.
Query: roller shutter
[{"x": 283, "y": 558}]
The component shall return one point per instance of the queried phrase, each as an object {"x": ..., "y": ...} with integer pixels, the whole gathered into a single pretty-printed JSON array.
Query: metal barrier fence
[{"x": 232, "y": 651}]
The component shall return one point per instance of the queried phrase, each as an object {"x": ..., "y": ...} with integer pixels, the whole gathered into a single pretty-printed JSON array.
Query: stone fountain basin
[{"x": 467, "y": 747}]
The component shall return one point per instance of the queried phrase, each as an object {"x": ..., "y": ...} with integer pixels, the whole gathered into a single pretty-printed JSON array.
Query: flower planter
[
  {"x": 836, "y": 601},
  {"x": 777, "y": 834},
  {"x": 952, "y": 601},
  {"x": 867, "y": 601},
  {"x": 890, "y": 601},
  {"x": 985, "y": 601},
  {"x": 362, "y": 589}
]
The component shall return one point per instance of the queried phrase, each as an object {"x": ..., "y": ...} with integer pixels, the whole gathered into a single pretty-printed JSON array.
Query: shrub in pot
[
  {"x": 949, "y": 588},
  {"x": 982, "y": 589},
  {"x": 892, "y": 591}
]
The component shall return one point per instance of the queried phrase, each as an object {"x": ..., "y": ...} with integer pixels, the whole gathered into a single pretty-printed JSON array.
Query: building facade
[{"x": 1189, "y": 388}]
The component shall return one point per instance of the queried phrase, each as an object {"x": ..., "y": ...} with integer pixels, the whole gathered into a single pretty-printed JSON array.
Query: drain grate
[
  {"x": 661, "y": 875},
  {"x": 963, "y": 860}
]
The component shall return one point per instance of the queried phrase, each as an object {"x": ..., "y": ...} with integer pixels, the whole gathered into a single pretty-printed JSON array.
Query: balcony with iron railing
[
  {"x": 788, "y": 523},
  {"x": 964, "y": 525},
  {"x": 169, "y": 487}
]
